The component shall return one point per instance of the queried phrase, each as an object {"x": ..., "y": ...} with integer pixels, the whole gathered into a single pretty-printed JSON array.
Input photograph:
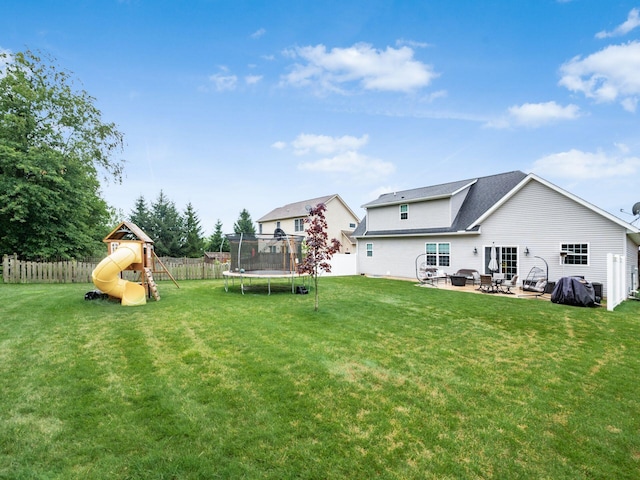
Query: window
[
  {"x": 404, "y": 212},
  {"x": 438, "y": 254},
  {"x": 576, "y": 253},
  {"x": 352, "y": 225},
  {"x": 278, "y": 224},
  {"x": 299, "y": 225},
  {"x": 369, "y": 249}
]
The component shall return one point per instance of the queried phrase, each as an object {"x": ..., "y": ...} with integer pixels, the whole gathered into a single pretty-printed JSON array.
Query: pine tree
[
  {"x": 194, "y": 243},
  {"x": 167, "y": 227},
  {"x": 217, "y": 239},
  {"x": 140, "y": 215},
  {"x": 244, "y": 224}
]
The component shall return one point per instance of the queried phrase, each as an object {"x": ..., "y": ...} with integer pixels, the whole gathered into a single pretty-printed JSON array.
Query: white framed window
[
  {"x": 298, "y": 225},
  {"x": 369, "y": 249},
  {"x": 574, "y": 253},
  {"x": 438, "y": 254},
  {"x": 404, "y": 212},
  {"x": 352, "y": 225}
]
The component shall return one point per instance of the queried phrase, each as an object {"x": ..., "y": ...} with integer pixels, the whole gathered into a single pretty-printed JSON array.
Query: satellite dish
[
  {"x": 307, "y": 208},
  {"x": 636, "y": 208}
]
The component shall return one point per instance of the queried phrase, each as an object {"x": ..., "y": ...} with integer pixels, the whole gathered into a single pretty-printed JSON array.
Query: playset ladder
[{"x": 152, "y": 283}]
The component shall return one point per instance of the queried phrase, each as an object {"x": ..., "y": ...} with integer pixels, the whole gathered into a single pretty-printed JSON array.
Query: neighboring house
[
  {"x": 341, "y": 221},
  {"x": 524, "y": 216}
]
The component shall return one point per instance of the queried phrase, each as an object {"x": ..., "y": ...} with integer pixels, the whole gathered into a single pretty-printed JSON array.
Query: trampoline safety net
[{"x": 261, "y": 252}]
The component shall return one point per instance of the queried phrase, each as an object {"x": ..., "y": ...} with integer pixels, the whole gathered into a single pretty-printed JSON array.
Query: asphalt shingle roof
[{"x": 294, "y": 210}]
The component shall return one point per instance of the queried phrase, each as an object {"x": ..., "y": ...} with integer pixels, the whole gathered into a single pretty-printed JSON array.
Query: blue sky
[{"x": 255, "y": 104}]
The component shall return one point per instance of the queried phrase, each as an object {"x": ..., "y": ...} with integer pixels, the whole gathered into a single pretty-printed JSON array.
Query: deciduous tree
[
  {"x": 318, "y": 248},
  {"x": 53, "y": 144}
]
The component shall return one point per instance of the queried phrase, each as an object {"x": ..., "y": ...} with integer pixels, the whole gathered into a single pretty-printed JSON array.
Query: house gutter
[{"x": 458, "y": 233}]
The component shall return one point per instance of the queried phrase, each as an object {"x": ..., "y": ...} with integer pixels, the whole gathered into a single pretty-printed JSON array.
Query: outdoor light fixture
[
  {"x": 526, "y": 251},
  {"x": 475, "y": 251}
]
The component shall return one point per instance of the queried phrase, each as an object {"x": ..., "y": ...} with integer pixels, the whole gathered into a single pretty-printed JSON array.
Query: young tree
[
  {"x": 318, "y": 251},
  {"x": 194, "y": 244},
  {"x": 218, "y": 240},
  {"x": 53, "y": 143},
  {"x": 244, "y": 224},
  {"x": 167, "y": 227}
]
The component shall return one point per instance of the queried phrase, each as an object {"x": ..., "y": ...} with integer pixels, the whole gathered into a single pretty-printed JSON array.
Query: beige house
[{"x": 341, "y": 221}]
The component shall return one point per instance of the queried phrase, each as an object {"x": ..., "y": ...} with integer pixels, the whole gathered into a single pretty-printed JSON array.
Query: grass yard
[{"x": 386, "y": 380}]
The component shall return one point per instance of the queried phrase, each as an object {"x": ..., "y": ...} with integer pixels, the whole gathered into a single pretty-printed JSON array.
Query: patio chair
[
  {"x": 507, "y": 285},
  {"x": 486, "y": 284}
]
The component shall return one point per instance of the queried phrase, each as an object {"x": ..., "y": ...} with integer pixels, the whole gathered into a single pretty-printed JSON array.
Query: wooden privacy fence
[{"x": 15, "y": 270}]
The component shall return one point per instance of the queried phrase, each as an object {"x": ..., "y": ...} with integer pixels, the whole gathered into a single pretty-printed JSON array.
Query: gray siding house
[{"x": 524, "y": 216}]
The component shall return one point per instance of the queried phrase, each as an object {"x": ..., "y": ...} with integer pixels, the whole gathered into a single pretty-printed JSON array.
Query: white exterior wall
[
  {"x": 542, "y": 219},
  {"x": 432, "y": 214},
  {"x": 537, "y": 218},
  {"x": 397, "y": 257},
  {"x": 338, "y": 218}
]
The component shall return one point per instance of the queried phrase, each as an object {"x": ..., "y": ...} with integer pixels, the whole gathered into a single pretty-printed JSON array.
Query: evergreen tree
[
  {"x": 140, "y": 215},
  {"x": 167, "y": 227},
  {"x": 194, "y": 243},
  {"x": 218, "y": 239},
  {"x": 244, "y": 224}
]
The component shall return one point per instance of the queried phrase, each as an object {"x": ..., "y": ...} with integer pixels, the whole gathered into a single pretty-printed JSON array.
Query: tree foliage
[
  {"x": 318, "y": 248},
  {"x": 244, "y": 224},
  {"x": 53, "y": 144},
  {"x": 141, "y": 216},
  {"x": 193, "y": 242},
  {"x": 167, "y": 227},
  {"x": 174, "y": 234},
  {"x": 217, "y": 241}
]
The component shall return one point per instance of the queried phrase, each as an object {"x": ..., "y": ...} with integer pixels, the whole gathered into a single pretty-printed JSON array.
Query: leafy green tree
[
  {"x": 166, "y": 228},
  {"x": 217, "y": 239},
  {"x": 53, "y": 144},
  {"x": 141, "y": 216},
  {"x": 244, "y": 224},
  {"x": 194, "y": 243}
]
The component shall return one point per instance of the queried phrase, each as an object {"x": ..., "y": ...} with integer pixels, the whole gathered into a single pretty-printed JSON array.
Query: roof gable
[
  {"x": 128, "y": 231},
  {"x": 300, "y": 209}
]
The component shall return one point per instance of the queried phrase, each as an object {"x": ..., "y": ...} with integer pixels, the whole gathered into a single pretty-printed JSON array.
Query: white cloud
[
  {"x": 537, "y": 114},
  {"x": 258, "y": 33},
  {"x": 579, "y": 165},
  {"x": 411, "y": 43},
  {"x": 279, "y": 145},
  {"x": 633, "y": 21},
  {"x": 326, "y": 145},
  {"x": 223, "y": 81},
  {"x": 382, "y": 70},
  {"x": 611, "y": 74},
  {"x": 252, "y": 79},
  {"x": 351, "y": 163}
]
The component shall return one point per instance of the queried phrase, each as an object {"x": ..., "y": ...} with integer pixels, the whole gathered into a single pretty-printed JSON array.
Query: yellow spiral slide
[{"x": 106, "y": 276}]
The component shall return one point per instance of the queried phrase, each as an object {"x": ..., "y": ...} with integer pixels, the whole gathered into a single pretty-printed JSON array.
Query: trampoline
[{"x": 263, "y": 256}]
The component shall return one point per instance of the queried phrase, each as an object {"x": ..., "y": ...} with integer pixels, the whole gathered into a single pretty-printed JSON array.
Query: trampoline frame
[{"x": 268, "y": 274}]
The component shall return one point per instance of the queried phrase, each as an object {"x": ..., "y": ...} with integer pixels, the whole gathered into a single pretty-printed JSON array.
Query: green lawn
[{"x": 386, "y": 380}]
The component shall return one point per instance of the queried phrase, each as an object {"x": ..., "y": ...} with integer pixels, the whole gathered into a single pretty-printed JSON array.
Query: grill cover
[{"x": 574, "y": 291}]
